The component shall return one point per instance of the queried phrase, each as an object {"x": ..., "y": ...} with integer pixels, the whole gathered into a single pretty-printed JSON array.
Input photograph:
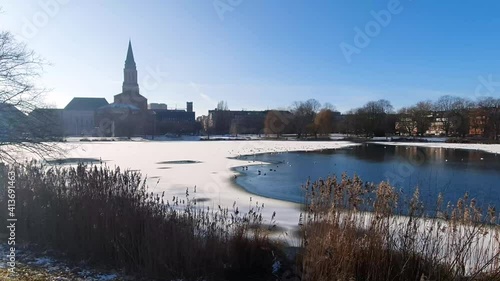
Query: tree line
[{"x": 447, "y": 116}]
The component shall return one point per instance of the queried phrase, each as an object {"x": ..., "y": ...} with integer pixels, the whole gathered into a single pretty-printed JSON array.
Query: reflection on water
[{"x": 450, "y": 171}]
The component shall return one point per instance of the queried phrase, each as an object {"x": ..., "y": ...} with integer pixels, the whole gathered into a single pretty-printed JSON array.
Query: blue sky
[{"x": 262, "y": 54}]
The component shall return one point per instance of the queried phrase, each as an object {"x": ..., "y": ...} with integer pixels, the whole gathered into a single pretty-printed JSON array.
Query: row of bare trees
[
  {"x": 455, "y": 116},
  {"x": 487, "y": 117},
  {"x": 375, "y": 118},
  {"x": 448, "y": 116},
  {"x": 304, "y": 118}
]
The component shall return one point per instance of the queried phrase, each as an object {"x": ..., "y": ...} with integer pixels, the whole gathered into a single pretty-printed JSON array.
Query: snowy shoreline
[
  {"x": 174, "y": 166},
  {"x": 489, "y": 148}
]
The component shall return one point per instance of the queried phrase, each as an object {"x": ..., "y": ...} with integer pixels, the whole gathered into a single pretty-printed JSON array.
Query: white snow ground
[{"x": 212, "y": 176}]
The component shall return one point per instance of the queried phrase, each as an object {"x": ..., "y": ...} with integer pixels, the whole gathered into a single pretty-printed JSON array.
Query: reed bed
[
  {"x": 353, "y": 230},
  {"x": 350, "y": 230},
  {"x": 108, "y": 217}
]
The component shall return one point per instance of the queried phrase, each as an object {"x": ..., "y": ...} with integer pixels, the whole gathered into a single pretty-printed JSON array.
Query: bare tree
[
  {"x": 453, "y": 113},
  {"x": 277, "y": 122},
  {"x": 204, "y": 125},
  {"x": 324, "y": 121},
  {"x": 351, "y": 123},
  {"x": 234, "y": 128},
  {"x": 329, "y": 106},
  {"x": 19, "y": 69},
  {"x": 444, "y": 108},
  {"x": 304, "y": 114},
  {"x": 490, "y": 108},
  {"x": 222, "y": 105},
  {"x": 421, "y": 114},
  {"x": 371, "y": 119},
  {"x": 406, "y": 125},
  {"x": 461, "y": 116}
]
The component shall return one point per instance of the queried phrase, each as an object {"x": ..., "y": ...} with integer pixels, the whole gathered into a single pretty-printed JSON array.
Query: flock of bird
[{"x": 255, "y": 151}]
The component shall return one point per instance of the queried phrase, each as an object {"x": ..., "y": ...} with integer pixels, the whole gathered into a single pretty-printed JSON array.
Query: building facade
[
  {"x": 244, "y": 121},
  {"x": 79, "y": 116},
  {"x": 130, "y": 115}
]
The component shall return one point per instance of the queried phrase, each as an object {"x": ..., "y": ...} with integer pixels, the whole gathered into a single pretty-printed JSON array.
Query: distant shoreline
[{"x": 488, "y": 148}]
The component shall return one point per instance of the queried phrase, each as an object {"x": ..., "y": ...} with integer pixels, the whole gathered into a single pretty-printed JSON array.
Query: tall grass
[
  {"x": 342, "y": 241},
  {"x": 350, "y": 230},
  {"x": 108, "y": 217}
]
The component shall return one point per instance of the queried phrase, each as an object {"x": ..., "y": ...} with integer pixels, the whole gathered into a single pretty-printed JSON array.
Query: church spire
[
  {"x": 130, "y": 73},
  {"x": 130, "y": 62}
]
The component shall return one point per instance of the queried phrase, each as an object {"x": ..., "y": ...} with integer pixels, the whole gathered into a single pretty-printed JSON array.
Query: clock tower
[
  {"x": 130, "y": 89},
  {"x": 130, "y": 73}
]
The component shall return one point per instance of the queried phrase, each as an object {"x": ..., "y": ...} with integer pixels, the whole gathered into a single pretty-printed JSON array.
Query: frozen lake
[
  {"x": 174, "y": 166},
  {"x": 449, "y": 171},
  {"x": 211, "y": 167}
]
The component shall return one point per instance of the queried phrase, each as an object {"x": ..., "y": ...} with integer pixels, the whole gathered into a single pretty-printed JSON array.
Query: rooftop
[{"x": 87, "y": 104}]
